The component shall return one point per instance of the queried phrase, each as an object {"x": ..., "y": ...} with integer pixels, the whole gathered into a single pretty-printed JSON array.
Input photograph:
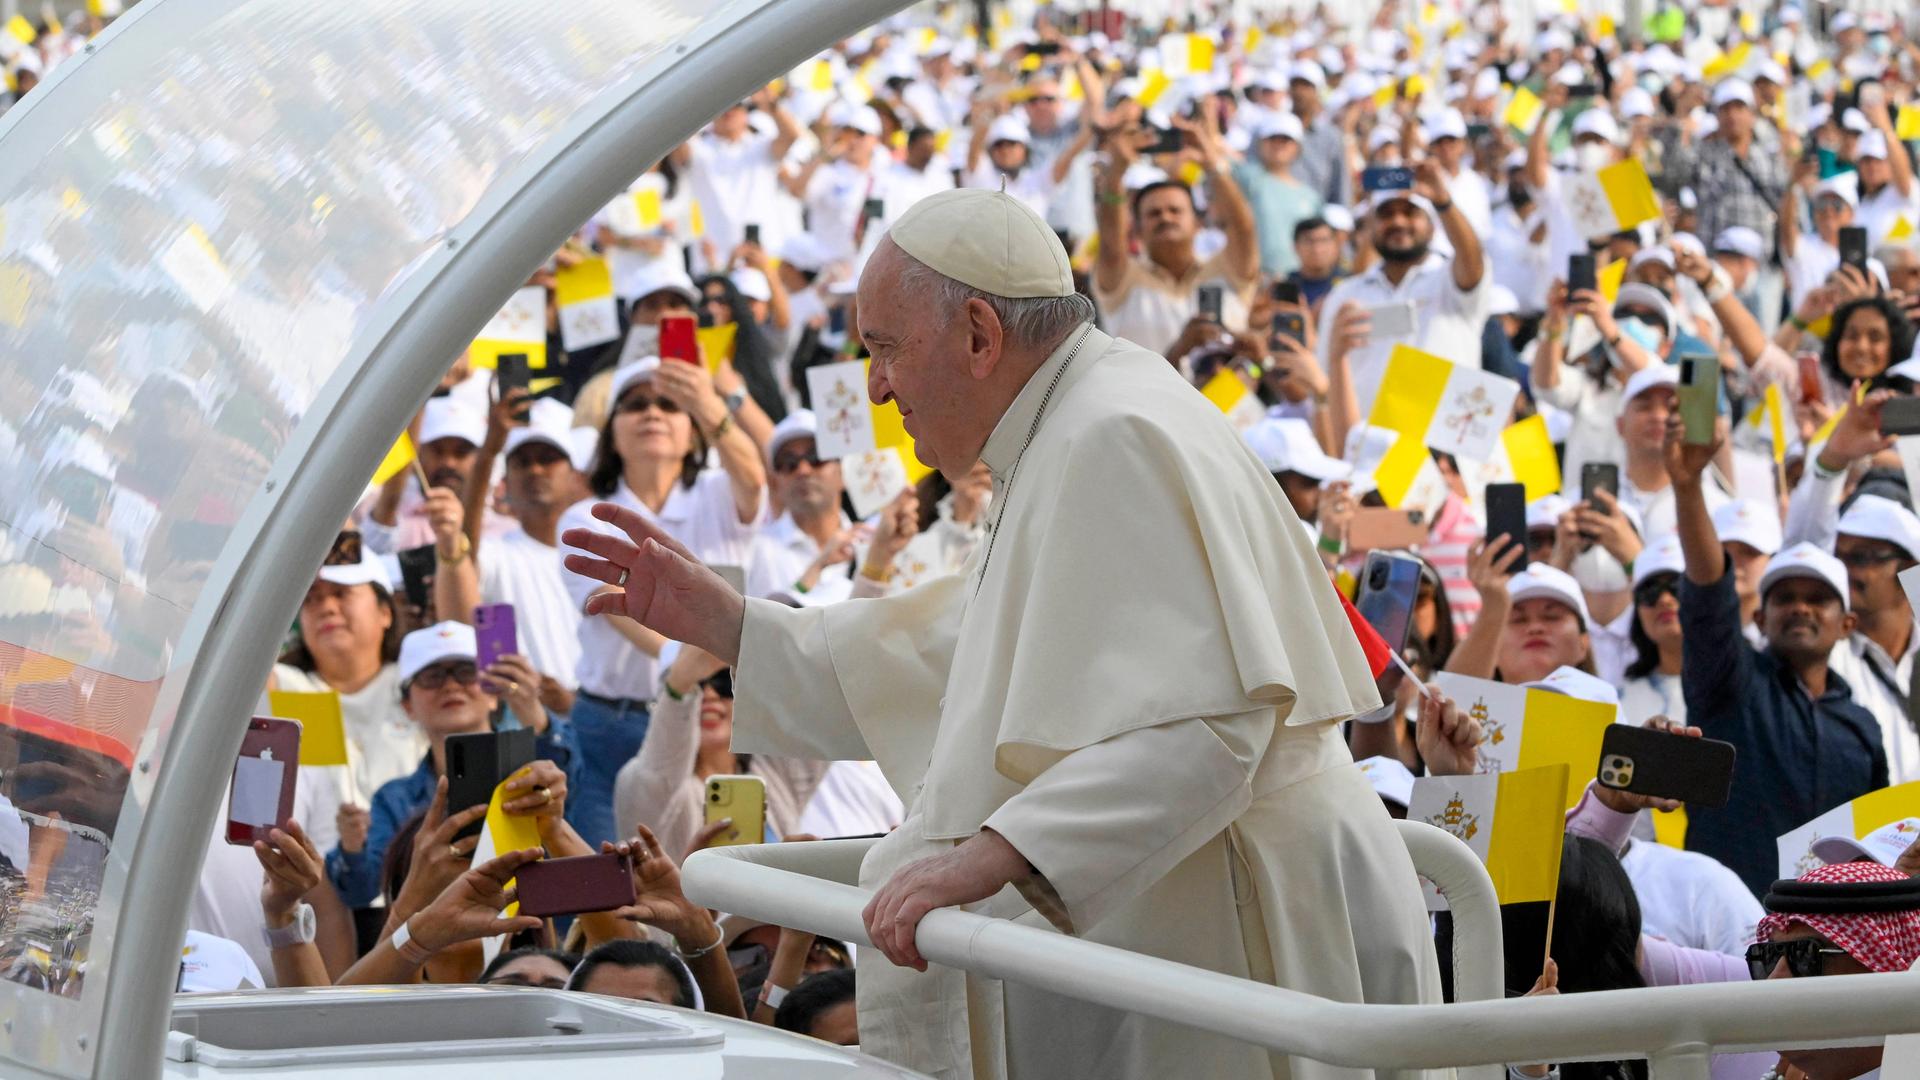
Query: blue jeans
[{"x": 605, "y": 738}]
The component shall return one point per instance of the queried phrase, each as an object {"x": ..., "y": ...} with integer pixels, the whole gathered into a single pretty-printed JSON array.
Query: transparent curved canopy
[{"x": 200, "y": 219}]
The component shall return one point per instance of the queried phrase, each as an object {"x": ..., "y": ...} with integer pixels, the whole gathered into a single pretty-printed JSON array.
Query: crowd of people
[{"x": 1286, "y": 207}]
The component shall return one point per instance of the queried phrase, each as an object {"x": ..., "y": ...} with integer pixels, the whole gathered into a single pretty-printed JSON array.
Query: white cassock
[{"x": 1138, "y": 680}]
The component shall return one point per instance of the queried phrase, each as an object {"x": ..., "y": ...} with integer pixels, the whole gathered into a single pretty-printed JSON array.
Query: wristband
[
  {"x": 719, "y": 936},
  {"x": 720, "y": 430},
  {"x": 771, "y": 996},
  {"x": 1441, "y": 208},
  {"x": 410, "y": 950},
  {"x": 670, "y": 691},
  {"x": 460, "y": 554},
  {"x": 1331, "y": 545}
]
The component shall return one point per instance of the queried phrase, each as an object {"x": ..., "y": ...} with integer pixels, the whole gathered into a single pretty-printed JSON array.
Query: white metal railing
[{"x": 1677, "y": 1028}]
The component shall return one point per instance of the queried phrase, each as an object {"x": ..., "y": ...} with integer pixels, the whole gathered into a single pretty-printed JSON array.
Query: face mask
[
  {"x": 1651, "y": 82},
  {"x": 1643, "y": 335},
  {"x": 1592, "y": 156},
  {"x": 1598, "y": 571},
  {"x": 1881, "y": 45}
]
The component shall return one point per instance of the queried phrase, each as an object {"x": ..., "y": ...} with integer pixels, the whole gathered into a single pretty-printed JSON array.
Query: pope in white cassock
[{"x": 1122, "y": 719}]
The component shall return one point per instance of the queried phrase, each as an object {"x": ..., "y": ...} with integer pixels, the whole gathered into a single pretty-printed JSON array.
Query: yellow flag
[
  {"x": 588, "y": 279},
  {"x": 1030, "y": 62},
  {"x": 1727, "y": 62},
  {"x": 1383, "y": 97},
  {"x": 1191, "y": 174},
  {"x": 1826, "y": 429},
  {"x": 1529, "y": 820},
  {"x": 1901, "y": 229},
  {"x": 820, "y": 79},
  {"x": 1226, "y": 390},
  {"x": 890, "y": 432},
  {"x": 397, "y": 459},
  {"x": 511, "y": 832},
  {"x": 1417, "y": 382},
  {"x": 1530, "y": 451},
  {"x": 696, "y": 221},
  {"x": 1630, "y": 192},
  {"x": 21, "y": 30},
  {"x": 1251, "y": 42},
  {"x": 1906, "y": 126},
  {"x": 1527, "y": 728},
  {"x": 1524, "y": 111},
  {"x": 646, "y": 202},
  {"x": 716, "y": 343},
  {"x": 1771, "y": 416},
  {"x": 1199, "y": 53},
  {"x": 1603, "y": 26},
  {"x": 1609, "y": 279},
  {"x": 1154, "y": 83},
  {"x": 1670, "y": 827},
  {"x": 323, "y": 733}
]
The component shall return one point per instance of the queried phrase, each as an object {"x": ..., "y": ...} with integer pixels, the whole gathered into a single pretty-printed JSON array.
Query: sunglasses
[
  {"x": 345, "y": 550},
  {"x": 466, "y": 673},
  {"x": 787, "y": 463},
  {"x": 1649, "y": 592},
  {"x": 1043, "y": 99},
  {"x": 1866, "y": 559},
  {"x": 1803, "y": 957},
  {"x": 640, "y": 402}
]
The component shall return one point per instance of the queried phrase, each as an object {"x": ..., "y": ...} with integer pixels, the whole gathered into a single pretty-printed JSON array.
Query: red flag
[{"x": 1371, "y": 643}]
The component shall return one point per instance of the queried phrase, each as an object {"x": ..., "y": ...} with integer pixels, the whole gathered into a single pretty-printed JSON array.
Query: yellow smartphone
[{"x": 742, "y": 798}]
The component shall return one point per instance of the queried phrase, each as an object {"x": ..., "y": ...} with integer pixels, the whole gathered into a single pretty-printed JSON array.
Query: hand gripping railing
[{"x": 809, "y": 886}]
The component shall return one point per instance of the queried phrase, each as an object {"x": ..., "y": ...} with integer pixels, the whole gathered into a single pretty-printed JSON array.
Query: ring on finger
[
  {"x": 455, "y": 849},
  {"x": 546, "y": 796},
  {"x": 622, "y": 583}
]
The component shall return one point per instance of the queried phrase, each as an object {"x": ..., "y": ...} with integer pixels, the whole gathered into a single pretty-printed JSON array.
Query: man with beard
[
  {"x": 1803, "y": 744},
  {"x": 1449, "y": 295},
  {"x": 522, "y": 566}
]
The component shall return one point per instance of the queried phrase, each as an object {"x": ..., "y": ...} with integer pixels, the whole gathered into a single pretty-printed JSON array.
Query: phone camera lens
[{"x": 714, "y": 798}]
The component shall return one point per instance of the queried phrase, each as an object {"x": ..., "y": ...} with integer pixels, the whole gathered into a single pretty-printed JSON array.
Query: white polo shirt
[
  {"x": 702, "y": 517},
  {"x": 1447, "y": 320},
  {"x": 902, "y": 186},
  {"x": 737, "y": 183},
  {"x": 836, "y": 194},
  {"x": 519, "y": 570}
]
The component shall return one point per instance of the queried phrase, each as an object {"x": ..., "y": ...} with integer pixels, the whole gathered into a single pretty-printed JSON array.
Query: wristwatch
[
  {"x": 299, "y": 932},
  {"x": 735, "y": 400}
]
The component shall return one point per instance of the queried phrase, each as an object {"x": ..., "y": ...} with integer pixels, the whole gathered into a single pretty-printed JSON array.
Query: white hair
[{"x": 1038, "y": 323}]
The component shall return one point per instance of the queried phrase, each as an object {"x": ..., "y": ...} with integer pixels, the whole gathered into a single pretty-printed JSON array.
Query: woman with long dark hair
[
  {"x": 651, "y": 460},
  {"x": 721, "y": 302},
  {"x": 1869, "y": 335},
  {"x": 1652, "y": 686}
]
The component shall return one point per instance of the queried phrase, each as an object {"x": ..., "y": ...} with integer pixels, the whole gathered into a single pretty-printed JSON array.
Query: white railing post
[{"x": 1688, "y": 1061}]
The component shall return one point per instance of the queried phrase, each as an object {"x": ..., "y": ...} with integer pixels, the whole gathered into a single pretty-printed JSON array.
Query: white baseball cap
[
  {"x": 1740, "y": 240},
  {"x": 1575, "y": 683},
  {"x": 1546, "y": 511},
  {"x": 446, "y": 418},
  {"x": 1540, "y": 580},
  {"x": 862, "y": 119},
  {"x": 1636, "y": 102},
  {"x": 801, "y": 251},
  {"x": 1280, "y": 125},
  {"x": 1308, "y": 72},
  {"x": 1391, "y": 779},
  {"x": 1009, "y": 129},
  {"x": 1730, "y": 91},
  {"x": 1651, "y": 254},
  {"x": 1596, "y": 122},
  {"x": 1502, "y": 301},
  {"x": 1338, "y": 216},
  {"x": 627, "y": 374},
  {"x": 1287, "y": 445},
  {"x": 1662, "y": 556},
  {"x": 1875, "y": 517},
  {"x": 752, "y": 284},
  {"x": 1843, "y": 186},
  {"x": 1883, "y": 845},
  {"x": 1872, "y": 144},
  {"x": 1646, "y": 379},
  {"x": 1806, "y": 561},
  {"x": 1855, "y": 121},
  {"x": 798, "y": 424},
  {"x": 1446, "y": 124},
  {"x": 429, "y": 646},
  {"x": 368, "y": 571},
  {"x": 1843, "y": 22},
  {"x": 547, "y": 422},
  {"x": 662, "y": 275},
  {"x": 1750, "y": 522}
]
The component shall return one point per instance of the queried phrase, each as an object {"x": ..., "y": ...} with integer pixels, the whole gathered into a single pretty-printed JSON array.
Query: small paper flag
[
  {"x": 1610, "y": 277},
  {"x": 1514, "y": 822},
  {"x": 21, "y": 30},
  {"x": 716, "y": 344},
  {"x": 1226, "y": 390},
  {"x": 323, "y": 732},
  {"x": 1524, "y": 111},
  {"x": 1526, "y": 728},
  {"x": 1630, "y": 192},
  {"x": 1529, "y": 450},
  {"x": 519, "y": 327},
  {"x": 397, "y": 459},
  {"x": 1154, "y": 83},
  {"x": 1855, "y": 819}
]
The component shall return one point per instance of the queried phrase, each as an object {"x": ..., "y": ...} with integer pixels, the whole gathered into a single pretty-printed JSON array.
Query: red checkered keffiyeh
[{"x": 1882, "y": 940}]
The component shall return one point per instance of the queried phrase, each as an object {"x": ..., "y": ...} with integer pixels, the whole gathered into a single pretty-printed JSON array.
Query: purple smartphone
[{"x": 494, "y": 635}]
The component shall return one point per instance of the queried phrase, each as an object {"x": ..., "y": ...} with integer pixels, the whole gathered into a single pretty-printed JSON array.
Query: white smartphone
[{"x": 1393, "y": 320}]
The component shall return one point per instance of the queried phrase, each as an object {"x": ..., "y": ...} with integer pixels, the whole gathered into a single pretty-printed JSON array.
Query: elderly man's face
[
  {"x": 1903, "y": 272},
  {"x": 920, "y": 361},
  {"x": 1166, "y": 216}
]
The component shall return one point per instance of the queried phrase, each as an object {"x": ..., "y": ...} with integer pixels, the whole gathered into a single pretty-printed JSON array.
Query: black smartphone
[
  {"x": 874, "y": 209},
  {"x": 1166, "y": 141},
  {"x": 1286, "y": 292},
  {"x": 1287, "y": 324},
  {"x": 1662, "y": 765},
  {"x": 1477, "y": 131},
  {"x": 416, "y": 574},
  {"x": 1585, "y": 89},
  {"x": 1581, "y": 273},
  {"x": 1210, "y": 298},
  {"x": 1386, "y": 178},
  {"x": 1599, "y": 476},
  {"x": 513, "y": 373},
  {"x": 1900, "y": 416},
  {"x": 753, "y": 234},
  {"x": 1389, "y": 586},
  {"x": 1044, "y": 48},
  {"x": 1853, "y": 247},
  {"x": 1506, "y": 516},
  {"x": 477, "y": 763}
]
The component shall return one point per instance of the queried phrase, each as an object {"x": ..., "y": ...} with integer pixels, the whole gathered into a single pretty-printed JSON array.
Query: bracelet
[
  {"x": 410, "y": 950},
  {"x": 1113, "y": 200},
  {"x": 719, "y": 936},
  {"x": 459, "y": 556},
  {"x": 771, "y": 996},
  {"x": 670, "y": 691},
  {"x": 720, "y": 430},
  {"x": 1441, "y": 208},
  {"x": 1331, "y": 545},
  {"x": 866, "y": 571},
  {"x": 1798, "y": 323}
]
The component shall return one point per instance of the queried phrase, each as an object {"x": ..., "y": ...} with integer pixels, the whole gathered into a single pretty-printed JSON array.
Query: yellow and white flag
[
  {"x": 1231, "y": 395},
  {"x": 503, "y": 832},
  {"x": 636, "y": 212},
  {"x": 1435, "y": 403},
  {"x": 1186, "y": 54},
  {"x": 519, "y": 327},
  {"x": 1527, "y": 728},
  {"x": 1524, "y": 111},
  {"x": 1855, "y": 820},
  {"x": 15, "y": 35},
  {"x": 1770, "y": 420},
  {"x": 1614, "y": 199},
  {"x": 587, "y": 314},
  {"x": 1513, "y": 821}
]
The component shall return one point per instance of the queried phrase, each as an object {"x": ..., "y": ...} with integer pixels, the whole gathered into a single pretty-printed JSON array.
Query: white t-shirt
[
  {"x": 1813, "y": 259},
  {"x": 853, "y": 799},
  {"x": 836, "y": 193},
  {"x": 702, "y": 517},
  {"x": 1691, "y": 899},
  {"x": 735, "y": 181},
  {"x": 383, "y": 742},
  {"x": 519, "y": 570},
  {"x": 902, "y": 186},
  {"x": 1447, "y": 322},
  {"x": 1878, "y": 212},
  {"x": 226, "y": 900},
  {"x": 209, "y": 964},
  {"x": 1034, "y": 186},
  {"x": 781, "y": 554}
]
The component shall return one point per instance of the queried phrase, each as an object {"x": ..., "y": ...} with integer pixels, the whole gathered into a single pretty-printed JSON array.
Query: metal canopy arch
[{"x": 239, "y": 244}]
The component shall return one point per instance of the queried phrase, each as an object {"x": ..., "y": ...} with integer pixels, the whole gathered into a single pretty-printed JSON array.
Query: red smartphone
[
  {"x": 1811, "y": 388},
  {"x": 260, "y": 797},
  {"x": 573, "y": 886},
  {"x": 677, "y": 341},
  {"x": 494, "y": 636}
]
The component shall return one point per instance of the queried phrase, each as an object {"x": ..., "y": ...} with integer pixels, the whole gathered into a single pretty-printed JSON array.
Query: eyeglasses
[
  {"x": 787, "y": 463},
  {"x": 1866, "y": 558},
  {"x": 639, "y": 403},
  {"x": 466, "y": 673},
  {"x": 1649, "y": 592},
  {"x": 1043, "y": 99},
  {"x": 345, "y": 550},
  {"x": 1803, "y": 957}
]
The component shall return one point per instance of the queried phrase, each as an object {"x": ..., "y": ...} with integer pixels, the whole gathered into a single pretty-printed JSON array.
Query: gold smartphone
[{"x": 742, "y": 798}]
